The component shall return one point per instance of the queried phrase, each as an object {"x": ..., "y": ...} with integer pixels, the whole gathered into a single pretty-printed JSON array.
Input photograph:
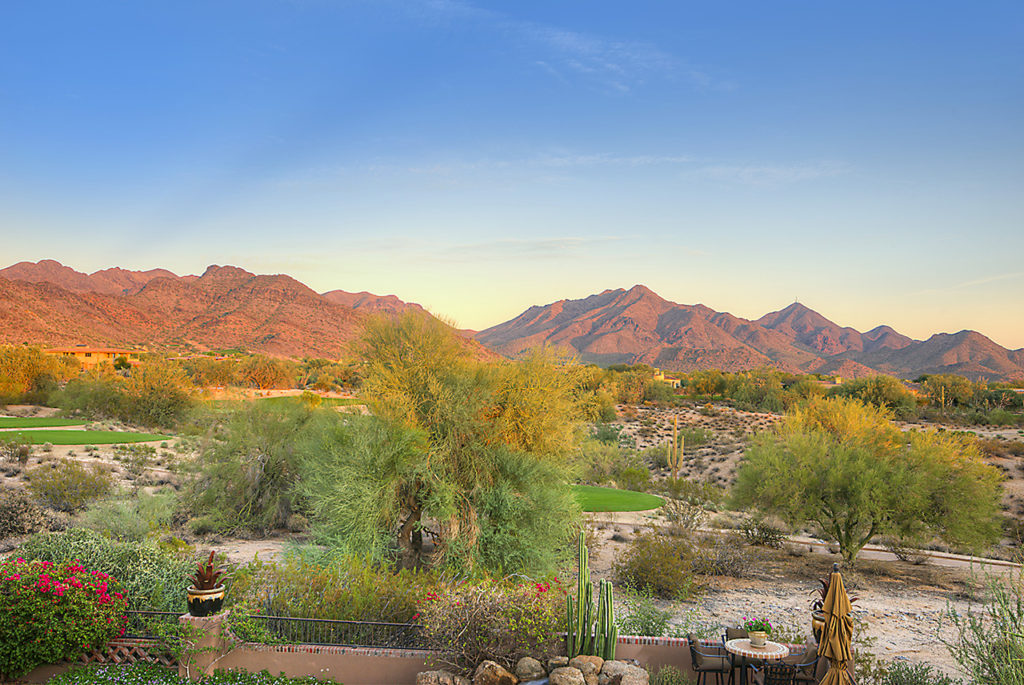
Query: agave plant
[
  {"x": 206, "y": 577},
  {"x": 822, "y": 591}
]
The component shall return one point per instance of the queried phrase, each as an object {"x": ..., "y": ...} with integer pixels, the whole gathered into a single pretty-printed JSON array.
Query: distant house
[
  {"x": 659, "y": 375},
  {"x": 91, "y": 356}
]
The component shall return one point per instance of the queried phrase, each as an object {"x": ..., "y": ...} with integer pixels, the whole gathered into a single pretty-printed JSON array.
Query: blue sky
[{"x": 481, "y": 157}]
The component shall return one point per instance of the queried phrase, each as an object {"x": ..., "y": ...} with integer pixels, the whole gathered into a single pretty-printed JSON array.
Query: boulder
[
  {"x": 566, "y": 675},
  {"x": 622, "y": 673},
  {"x": 440, "y": 678},
  {"x": 529, "y": 668},
  {"x": 491, "y": 673},
  {"x": 557, "y": 662},
  {"x": 590, "y": 667}
]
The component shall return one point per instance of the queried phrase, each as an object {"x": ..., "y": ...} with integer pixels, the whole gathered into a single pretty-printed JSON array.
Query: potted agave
[
  {"x": 817, "y": 615},
  {"x": 206, "y": 596}
]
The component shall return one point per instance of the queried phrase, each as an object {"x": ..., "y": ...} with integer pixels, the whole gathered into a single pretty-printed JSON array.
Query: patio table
[{"x": 770, "y": 652}]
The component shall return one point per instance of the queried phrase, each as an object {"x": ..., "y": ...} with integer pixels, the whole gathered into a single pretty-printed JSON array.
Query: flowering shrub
[
  {"x": 52, "y": 612},
  {"x": 494, "y": 620}
]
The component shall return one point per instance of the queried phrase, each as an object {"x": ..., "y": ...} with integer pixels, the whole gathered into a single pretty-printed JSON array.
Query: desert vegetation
[{"x": 455, "y": 490}]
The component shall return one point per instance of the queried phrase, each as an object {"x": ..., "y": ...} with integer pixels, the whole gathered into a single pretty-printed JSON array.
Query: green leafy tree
[
  {"x": 843, "y": 465},
  {"x": 948, "y": 390},
  {"x": 485, "y": 449},
  {"x": 881, "y": 391}
]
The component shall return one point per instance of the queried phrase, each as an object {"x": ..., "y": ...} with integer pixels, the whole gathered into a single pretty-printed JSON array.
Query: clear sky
[{"x": 479, "y": 157}]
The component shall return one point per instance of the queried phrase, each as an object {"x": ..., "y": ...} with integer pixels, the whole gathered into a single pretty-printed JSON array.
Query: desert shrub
[
  {"x": 660, "y": 564},
  {"x": 93, "y": 395},
  {"x": 68, "y": 485},
  {"x": 157, "y": 394},
  {"x": 670, "y": 675},
  {"x": 247, "y": 475},
  {"x": 154, "y": 577},
  {"x": 598, "y": 460},
  {"x": 606, "y": 432},
  {"x": 19, "y": 515},
  {"x": 631, "y": 473},
  {"x": 757, "y": 531},
  {"x": 989, "y": 644},
  {"x": 53, "y": 612},
  {"x": 346, "y": 588},
  {"x": 468, "y": 624},
  {"x": 131, "y": 519},
  {"x": 722, "y": 555},
  {"x": 14, "y": 451},
  {"x": 641, "y": 616},
  {"x": 905, "y": 673},
  {"x": 136, "y": 458}
]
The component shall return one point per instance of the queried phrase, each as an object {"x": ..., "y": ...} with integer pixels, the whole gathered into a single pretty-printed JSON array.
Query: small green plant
[
  {"x": 905, "y": 673},
  {"x": 643, "y": 617},
  {"x": 53, "y": 612},
  {"x": 759, "y": 532},
  {"x": 670, "y": 675}
]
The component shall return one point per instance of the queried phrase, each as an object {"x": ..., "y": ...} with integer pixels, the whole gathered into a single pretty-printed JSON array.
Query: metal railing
[
  {"x": 318, "y": 631},
  {"x": 151, "y": 624}
]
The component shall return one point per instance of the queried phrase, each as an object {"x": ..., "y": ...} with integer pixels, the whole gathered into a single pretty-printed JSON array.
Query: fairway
[
  {"x": 74, "y": 437},
  {"x": 592, "y": 498},
  {"x": 34, "y": 422}
]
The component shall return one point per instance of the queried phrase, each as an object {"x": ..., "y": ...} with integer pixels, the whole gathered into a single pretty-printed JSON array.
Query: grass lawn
[
  {"x": 593, "y": 498},
  {"x": 73, "y": 437},
  {"x": 36, "y": 422}
]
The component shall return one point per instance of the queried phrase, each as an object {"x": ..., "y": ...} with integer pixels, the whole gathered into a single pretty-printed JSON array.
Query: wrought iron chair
[
  {"x": 705, "y": 662},
  {"x": 806, "y": 665},
  {"x": 774, "y": 673},
  {"x": 736, "y": 661}
]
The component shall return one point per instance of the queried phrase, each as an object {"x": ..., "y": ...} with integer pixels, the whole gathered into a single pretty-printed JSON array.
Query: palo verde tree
[
  {"x": 846, "y": 467},
  {"x": 476, "y": 453}
]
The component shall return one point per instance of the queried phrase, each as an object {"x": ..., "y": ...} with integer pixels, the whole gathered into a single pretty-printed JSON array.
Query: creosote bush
[
  {"x": 470, "y": 623},
  {"x": 660, "y": 564},
  {"x": 68, "y": 485},
  {"x": 51, "y": 612}
]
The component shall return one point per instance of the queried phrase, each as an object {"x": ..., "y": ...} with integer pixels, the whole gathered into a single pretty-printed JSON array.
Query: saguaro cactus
[
  {"x": 675, "y": 448},
  {"x": 583, "y": 635}
]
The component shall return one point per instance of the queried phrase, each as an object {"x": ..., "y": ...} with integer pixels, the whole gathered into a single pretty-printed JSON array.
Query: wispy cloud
[
  {"x": 612, "y": 65},
  {"x": 772, "y": 174},
  {"x": 518, "y": 249},
  {"x": 973, "y": 283}
]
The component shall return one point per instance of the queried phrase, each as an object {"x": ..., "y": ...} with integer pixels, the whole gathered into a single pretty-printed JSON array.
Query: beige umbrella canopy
[{"x": 838, "y": 632}]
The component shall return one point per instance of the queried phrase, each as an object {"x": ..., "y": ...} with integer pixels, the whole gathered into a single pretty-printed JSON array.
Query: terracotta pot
[
  {"x": 205, "y": 602},
  {"x": 757, "y": 637}
]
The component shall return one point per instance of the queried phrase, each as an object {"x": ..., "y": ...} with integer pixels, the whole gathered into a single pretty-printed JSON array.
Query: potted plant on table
[
  {"x": 206, "y": 596},
  {"x": 758, "y": 630}
]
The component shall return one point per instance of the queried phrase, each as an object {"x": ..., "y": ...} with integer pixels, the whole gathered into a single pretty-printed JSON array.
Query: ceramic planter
[
  {"x": 205, "y": 602},
  {"x": 757, "y": 638}
]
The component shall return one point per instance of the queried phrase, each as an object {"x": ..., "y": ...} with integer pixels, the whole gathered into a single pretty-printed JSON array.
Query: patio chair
[
  {"x": 708, "y": 660},
  {"x": 738, "y": 662},
  {"x": 774, "y": 673},
  {"x": 806, "y": 664}
]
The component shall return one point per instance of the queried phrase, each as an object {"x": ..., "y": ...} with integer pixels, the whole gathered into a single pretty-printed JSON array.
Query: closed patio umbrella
[{"x": 838, "y": 632}]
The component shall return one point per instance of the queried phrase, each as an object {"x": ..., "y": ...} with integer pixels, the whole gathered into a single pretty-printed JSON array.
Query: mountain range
[
  {"x": 227, "y": 307},
  {"x": 638, "y": 326}
]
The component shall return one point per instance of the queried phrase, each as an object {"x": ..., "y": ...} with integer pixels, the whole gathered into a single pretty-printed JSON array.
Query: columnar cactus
[{"x": 582, "y": 636}]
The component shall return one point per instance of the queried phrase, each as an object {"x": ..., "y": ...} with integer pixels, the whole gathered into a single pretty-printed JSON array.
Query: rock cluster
[{"x": 581, "y": 670}]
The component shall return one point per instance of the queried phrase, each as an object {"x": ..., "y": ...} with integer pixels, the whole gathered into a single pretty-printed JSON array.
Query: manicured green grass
[
  {"x": 74, "y": 437},
  {"x": 593, "y": 498},
  {"x": 36, "y": 422}
]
